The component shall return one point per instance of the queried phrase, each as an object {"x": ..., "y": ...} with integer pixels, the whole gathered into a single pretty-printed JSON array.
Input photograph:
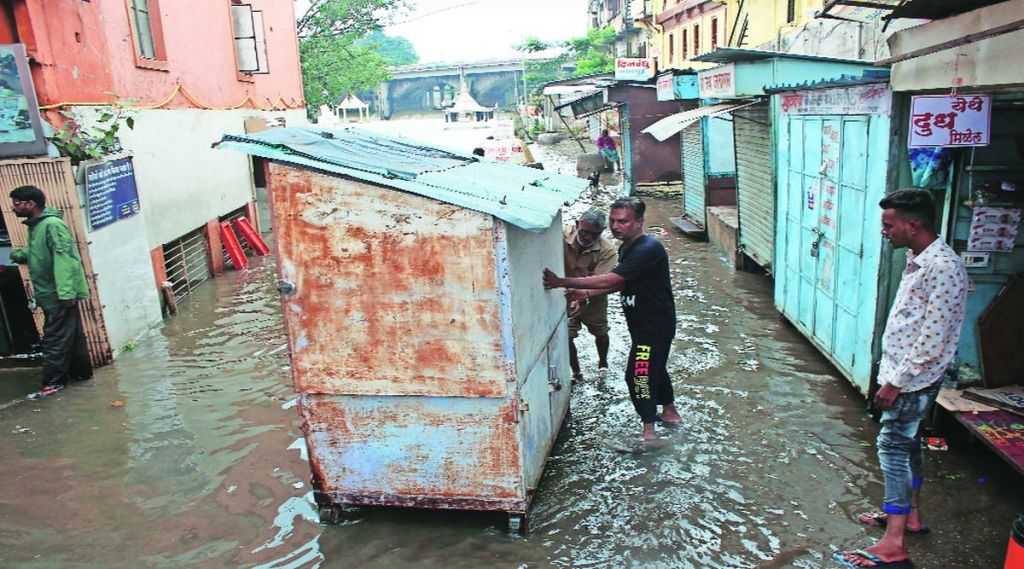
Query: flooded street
[{"x": 188, "y": 452}]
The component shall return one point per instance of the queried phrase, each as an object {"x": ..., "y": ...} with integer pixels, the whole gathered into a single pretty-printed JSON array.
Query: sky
[{"x": 470, "y": 30}]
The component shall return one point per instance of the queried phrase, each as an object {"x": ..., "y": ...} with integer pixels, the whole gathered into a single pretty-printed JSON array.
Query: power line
[{"x": 438, "y": 11}]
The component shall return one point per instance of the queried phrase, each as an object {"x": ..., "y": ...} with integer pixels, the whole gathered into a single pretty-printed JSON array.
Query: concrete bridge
[{"x": 497, "y": 82}]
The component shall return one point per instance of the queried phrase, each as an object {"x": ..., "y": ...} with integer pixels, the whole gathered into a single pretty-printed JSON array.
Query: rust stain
[{"x": 388, "y": 302}]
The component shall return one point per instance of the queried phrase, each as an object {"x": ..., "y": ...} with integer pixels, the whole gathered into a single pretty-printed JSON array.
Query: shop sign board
[
  {"x": 718, "y": 82},
  {"x": 634, "y": 69},
  {"x": 873, "y": 99},
  {"x": 950, "y": 120},
  {"x": 110, "y": 192}
]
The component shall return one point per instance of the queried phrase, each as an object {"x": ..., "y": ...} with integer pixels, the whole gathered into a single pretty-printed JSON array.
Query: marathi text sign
[
  {"x": 943, "y": 120},
  {"x": 110, "y": 192},
  {"x": 634, "y": 69},
  {"x": 718, "y": 82},
  {"x": 857, "y": 100}
]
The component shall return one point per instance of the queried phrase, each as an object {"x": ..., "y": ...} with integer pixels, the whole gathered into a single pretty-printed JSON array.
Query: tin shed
[{"x": 431, "y": 365}]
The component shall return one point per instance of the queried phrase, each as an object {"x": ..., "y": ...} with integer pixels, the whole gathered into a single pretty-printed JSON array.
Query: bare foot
[
  {"x": 649, "y": 434},
  {"x": 670, "y": 415}
]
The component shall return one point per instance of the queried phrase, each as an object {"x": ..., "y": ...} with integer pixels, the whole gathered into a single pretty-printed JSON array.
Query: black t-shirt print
[{"x": 646, "y": 297}]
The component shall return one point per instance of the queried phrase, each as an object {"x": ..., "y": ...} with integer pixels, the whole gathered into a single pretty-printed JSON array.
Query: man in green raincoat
[{"x": 58, "y": 281}]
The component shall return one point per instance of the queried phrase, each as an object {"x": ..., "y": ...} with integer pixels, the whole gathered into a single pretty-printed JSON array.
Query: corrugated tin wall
[
  {"x": 693, "y": 172},
  {"x": 755, "y": 185},
  {"x": 53, "y": 176}
]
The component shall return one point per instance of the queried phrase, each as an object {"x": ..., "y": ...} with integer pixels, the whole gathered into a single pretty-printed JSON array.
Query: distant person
[
  {"x": 478, "y": 152},
  {"x": 919, "y": 344},
  {"x": 608, "y": 150},
  {"x": 642, "y": 278},
  {"x": 588, "y": 253},
  {"x": 58, "y": 282}
]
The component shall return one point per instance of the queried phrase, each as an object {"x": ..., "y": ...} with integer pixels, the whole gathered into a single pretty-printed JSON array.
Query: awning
[{"x": 668, "y": 126}]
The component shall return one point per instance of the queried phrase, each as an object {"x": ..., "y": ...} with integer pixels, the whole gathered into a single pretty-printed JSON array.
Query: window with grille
[
  {"x": 791, "y": 11},
  {"x": 671, "y": 49},
  {"x": 187, "y": 262},
  {"x": 686, "y": 47},
  {"x": 696, "y": 39},
  {"x": 714, "y": 33}
]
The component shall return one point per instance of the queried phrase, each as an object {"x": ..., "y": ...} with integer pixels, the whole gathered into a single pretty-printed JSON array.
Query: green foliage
[
  {"x": 394, "y": 50},
  {"x": 80, "y": 142},
  {"x": 593, "y": 53},
  {"x": 336, "y": 59}
]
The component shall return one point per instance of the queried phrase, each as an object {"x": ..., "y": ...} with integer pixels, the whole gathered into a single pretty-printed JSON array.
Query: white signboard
[
  {"x": 718, "y": 82},
  {"x": 505, "y": 150},
  {"x": 634, "y": 69},
  {"x": 857, "y": 100},
  {"x": 950, "y": 120}
]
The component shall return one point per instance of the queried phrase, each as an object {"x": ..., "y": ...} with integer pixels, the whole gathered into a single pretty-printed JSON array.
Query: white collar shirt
[{"x": 924, "y": 323}]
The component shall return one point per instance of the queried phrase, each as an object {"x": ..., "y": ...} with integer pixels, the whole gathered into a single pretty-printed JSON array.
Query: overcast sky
[
  {"x": 468, "y": 30},
  {"x": 457, "y": 30}
]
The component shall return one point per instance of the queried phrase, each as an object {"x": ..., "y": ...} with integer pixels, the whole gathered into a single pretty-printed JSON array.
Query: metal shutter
[
  {"x": 693, "y": 172},
  {"x": 755, "y": 184}
]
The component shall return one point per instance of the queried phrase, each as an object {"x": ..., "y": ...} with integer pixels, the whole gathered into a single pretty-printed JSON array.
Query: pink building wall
[{"x": 83, "y": 51}]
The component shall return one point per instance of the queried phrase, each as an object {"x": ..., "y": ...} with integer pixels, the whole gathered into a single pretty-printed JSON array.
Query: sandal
[{"x": 881, "y": 519}]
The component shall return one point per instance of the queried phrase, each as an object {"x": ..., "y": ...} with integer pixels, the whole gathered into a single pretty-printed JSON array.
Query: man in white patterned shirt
[{"x": 920, "y": 342}]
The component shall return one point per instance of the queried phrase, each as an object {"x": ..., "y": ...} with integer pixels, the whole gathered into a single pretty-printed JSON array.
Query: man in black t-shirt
[{"x": 642, "y": 278}]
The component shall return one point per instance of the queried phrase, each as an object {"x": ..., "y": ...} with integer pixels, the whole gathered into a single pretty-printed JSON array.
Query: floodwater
[{"x": 187, "y": 452}]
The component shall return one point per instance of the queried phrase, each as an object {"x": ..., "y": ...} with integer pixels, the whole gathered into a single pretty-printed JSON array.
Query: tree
[
  {"x": 334, "y": 63},
  {"x": 394, "y": 50},
  {"x": 593, "y": 53}
]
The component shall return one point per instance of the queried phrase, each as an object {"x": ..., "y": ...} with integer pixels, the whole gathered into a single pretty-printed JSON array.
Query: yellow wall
[{"x": 767, "y": 19}]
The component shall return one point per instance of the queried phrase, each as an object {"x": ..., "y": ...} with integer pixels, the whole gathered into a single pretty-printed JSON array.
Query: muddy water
[{"x": 187, "y": 452}]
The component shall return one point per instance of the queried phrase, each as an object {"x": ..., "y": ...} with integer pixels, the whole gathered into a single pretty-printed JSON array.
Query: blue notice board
[{"x": 110, "y": 192}]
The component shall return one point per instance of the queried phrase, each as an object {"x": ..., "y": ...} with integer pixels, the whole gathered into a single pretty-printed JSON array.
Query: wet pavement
[{"x": 187, "y": 452}]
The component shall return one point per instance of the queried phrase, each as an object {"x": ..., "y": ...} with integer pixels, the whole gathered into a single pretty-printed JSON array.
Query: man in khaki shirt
[{"x": 588, "y": 253}]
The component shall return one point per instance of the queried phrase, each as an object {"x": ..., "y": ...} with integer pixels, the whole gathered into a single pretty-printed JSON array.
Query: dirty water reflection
[
  {"x": 203, "y": 465},
  {"x": 182, "y": 453}
]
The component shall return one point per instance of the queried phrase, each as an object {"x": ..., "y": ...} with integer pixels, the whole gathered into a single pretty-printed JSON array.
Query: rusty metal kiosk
[{"x": 431, "y": 365}]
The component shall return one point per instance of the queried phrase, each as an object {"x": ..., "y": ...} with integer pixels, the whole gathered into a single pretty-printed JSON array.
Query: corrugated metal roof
[
  {"x": 737, "y": 54},
  {"x": 844, "y": 80},
  {"x": 525, "y": 197}
]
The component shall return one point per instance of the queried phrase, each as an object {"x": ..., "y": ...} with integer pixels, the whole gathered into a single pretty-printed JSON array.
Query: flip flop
[
  {"x": 881, "y": 519},
  {"x": 840, "y": 558}
]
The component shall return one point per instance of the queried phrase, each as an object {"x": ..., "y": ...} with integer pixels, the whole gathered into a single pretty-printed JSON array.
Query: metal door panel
[
  {"x": 401, "y": 451},
  {"x": 694, "y": 179},
  {"x": 755, "y": 185},
  {"x": 387, "y": 299}
]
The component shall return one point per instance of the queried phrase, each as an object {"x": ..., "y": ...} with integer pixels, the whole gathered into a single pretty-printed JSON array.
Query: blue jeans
[{"x": 899, "y": 447}]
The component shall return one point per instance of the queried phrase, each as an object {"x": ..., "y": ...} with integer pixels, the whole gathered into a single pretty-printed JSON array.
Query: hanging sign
[
  {"x": 718, "y": 82},
  {"x": 634, "y": 69},
  {"x": 110, "y": 192},
  {"x": 950, "y": 120}
]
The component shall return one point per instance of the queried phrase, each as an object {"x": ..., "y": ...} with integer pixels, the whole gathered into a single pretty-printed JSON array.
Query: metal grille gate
[{"x": 187, "y": 262}]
